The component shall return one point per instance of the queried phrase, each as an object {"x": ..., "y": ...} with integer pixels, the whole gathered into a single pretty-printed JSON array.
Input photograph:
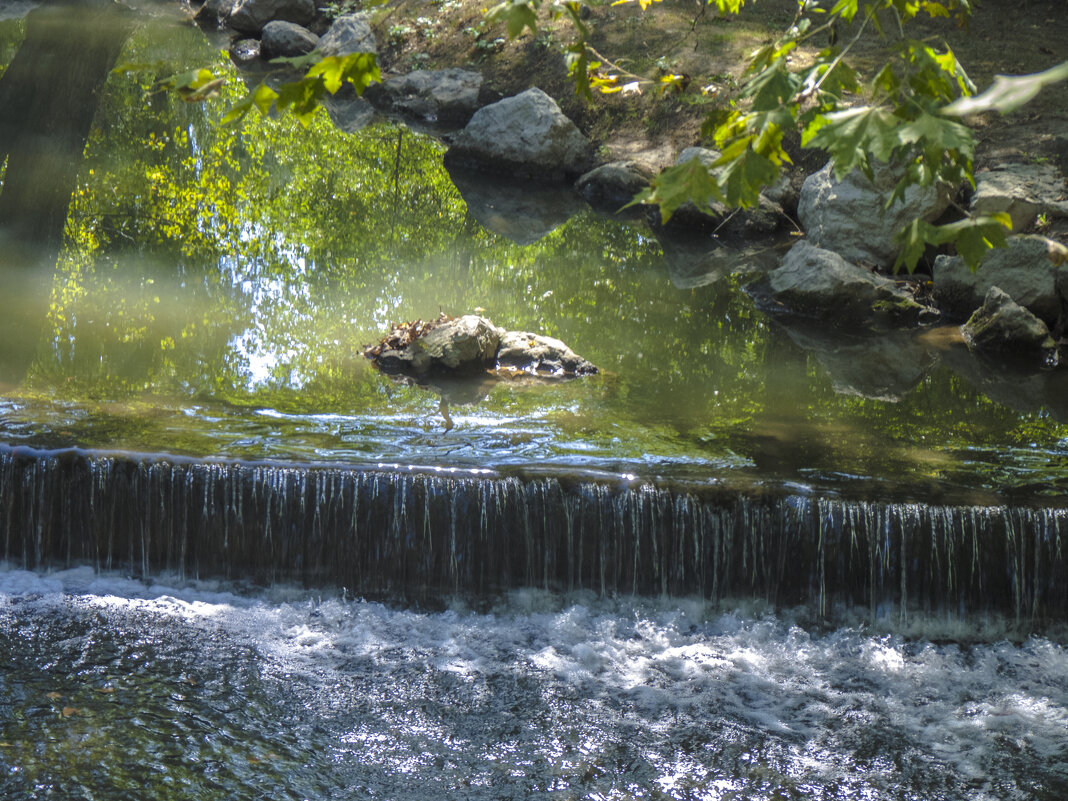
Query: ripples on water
[{"x": 116, "y": 689}]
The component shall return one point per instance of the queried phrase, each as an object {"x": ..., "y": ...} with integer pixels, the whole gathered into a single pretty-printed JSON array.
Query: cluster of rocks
[
  {"x": 471, "y": 344},
  {"x": 263, "y": 30},
  {"x": 1013, "y": 305}
]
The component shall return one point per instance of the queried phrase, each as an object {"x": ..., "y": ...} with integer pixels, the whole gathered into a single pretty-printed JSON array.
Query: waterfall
[{"x": 415, "y": 534}]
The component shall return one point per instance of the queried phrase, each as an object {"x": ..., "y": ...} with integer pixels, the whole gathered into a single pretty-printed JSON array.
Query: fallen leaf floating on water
[
  {"x": 68, "y": 711},
  {"x": 54, "y": 695}
]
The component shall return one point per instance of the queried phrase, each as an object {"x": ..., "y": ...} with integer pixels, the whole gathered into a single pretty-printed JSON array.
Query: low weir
[{"x": 401, "y": 533}]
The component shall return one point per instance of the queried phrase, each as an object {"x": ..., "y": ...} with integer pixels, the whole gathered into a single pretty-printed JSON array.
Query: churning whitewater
[{"x": 115, "y": 688}]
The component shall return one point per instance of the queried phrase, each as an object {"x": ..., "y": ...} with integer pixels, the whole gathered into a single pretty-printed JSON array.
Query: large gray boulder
[
  {"x": 535, "y": 353},
  {"x": 848, "y": 216},
  {"x": 1023, "y": 191},
  {"x": 286, "y": 39},
  {"x": 250, "y": 16},
  {"x": 448, "y": 96},
  {"x": 818, "y": 283},
  {"x": 1001, "y": 325},
  {"x": 525, "y": 135},
  {"x": 1023, "y": 270},
  {"x": 348, "y": 34}
]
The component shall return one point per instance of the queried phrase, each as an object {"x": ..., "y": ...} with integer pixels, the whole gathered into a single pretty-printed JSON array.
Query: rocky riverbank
[{"x": 838, "y": 275}]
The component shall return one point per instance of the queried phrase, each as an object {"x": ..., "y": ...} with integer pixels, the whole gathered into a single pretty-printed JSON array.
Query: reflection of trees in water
[{"x": 49, "y": 95}]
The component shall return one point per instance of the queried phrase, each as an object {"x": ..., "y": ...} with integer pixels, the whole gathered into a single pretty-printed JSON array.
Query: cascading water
[{"x": 404, "y": 533}]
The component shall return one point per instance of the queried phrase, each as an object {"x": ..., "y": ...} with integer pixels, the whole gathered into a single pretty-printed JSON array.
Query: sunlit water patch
[{"x": 113, "y": 688}]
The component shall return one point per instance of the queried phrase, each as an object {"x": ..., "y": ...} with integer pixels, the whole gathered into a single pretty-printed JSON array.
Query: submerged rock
[
  {"x": 526, "y": 135},
  {"x": 848, "y": 216},
  {"x": 818, "y": 283},
  {"x": 469, "y": 345},
  {"x": 1023, "y": 270},
  {"x": 1001, "y": 325}
]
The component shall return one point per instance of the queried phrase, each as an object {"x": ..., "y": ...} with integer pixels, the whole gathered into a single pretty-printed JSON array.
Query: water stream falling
[{"x": 413, "y": 534}]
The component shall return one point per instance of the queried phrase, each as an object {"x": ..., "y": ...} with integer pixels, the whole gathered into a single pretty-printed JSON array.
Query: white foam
[{"x": 646, "y": 669}]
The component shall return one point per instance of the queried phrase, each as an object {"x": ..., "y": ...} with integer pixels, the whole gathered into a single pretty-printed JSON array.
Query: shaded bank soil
[{"x": 681, "y": 36}]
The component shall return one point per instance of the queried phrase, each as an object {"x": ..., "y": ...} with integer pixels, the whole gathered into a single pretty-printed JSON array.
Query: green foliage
[
  {"x": 1007, "y": 93},
  {"x": 904, "y": 114}
]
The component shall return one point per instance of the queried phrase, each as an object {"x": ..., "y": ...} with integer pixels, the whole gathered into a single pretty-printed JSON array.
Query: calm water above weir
[
  {"x": 209, "y": 290},
  {"x": 749, "y": 560}
]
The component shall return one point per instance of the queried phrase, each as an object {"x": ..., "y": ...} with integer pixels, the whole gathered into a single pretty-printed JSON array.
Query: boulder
[
  {"x": 250, "y": 16},
  {"x": 534, "y": 353},
  {"x": 1023, "y": 191},
  {"x": 459, "y": 345},
  {"x": 350, "y": 33},
  {"x": 762, "y": 220},
  {"x": 848, "y": 216},
  {"x": 1003, "y": 326},
  {"x": 286, "y": 39},
  {"x": 525, "y": 135},
  {"x": 1023, "y": 270},
  {"x": 522, "y": 211},
  {"x": 447, "y": 96},
  {"x": 612, "y": 186},
  {"x": 215, "y": 12},
  {"x": 818, "y": 283}
]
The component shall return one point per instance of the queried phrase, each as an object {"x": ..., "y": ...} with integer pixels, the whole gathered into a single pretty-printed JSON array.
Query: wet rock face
[
  {"x": 526, "y": 135},
  {"x": 1004, "y": 327},
  {"x": 1023, "y": 270},
  {"x": 522, "y": 350},
  {"x": 848, "y": 216},
  {"x": 250, "y": 16},
  {"x": 821, "y": 284}
]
